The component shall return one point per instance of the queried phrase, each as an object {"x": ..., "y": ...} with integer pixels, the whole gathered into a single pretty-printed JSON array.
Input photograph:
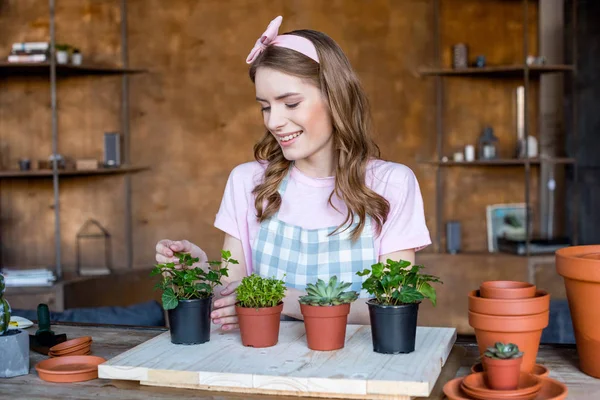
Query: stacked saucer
[{"x": 73, "y": 347}]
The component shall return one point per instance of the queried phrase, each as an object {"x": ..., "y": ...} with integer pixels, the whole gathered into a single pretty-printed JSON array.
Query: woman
[{"x": 317, "y": 201}]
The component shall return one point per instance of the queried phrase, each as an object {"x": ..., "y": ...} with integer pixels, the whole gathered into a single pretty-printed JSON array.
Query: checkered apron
[{"x": 305, "y": 255}]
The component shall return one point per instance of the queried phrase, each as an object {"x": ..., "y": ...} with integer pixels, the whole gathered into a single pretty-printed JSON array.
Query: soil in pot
[
  {"x": 535, "y": 305},
  {"x": 503, "y": 374},
  {"x": 259, "y": 327},
  {"x": 580, "y": 268},
  {"x": 190, "y": 321},
  {"x": 525, "y": 331},
  {"x": 507, "y": 290},
  {"x": 325, "y": 326},
  {"x": 393, "y": 328}
]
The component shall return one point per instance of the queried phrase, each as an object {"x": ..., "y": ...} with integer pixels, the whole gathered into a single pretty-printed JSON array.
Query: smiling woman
[{"x": 318, "y": 201}]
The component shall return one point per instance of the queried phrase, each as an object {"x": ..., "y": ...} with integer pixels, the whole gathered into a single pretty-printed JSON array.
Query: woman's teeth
[{"x": 290, "y": 137}]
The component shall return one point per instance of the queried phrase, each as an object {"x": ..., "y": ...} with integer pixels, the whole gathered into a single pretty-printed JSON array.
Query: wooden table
[{"x": 109, "y": 341}]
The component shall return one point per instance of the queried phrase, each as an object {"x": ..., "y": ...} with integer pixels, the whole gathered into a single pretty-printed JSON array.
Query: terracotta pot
[
  {"x": 507, "y": 290},
  {"x": 580, "y": 268},
  {"x": 534, "y": 305},
  {"x": 525, "y": 331},
  {"x": 503, "y": 374},
  {"x": 259, "y": 327},
  {"x": 325, "y": 326}
]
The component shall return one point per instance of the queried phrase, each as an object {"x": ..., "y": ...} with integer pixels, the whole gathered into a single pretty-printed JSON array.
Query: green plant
[
  {"x": 4, "y": 308},
  {"x": 394, "y": 283},
  {"x": 62, "y": 47},
  {"x": 331, "y": 294},
  {"x": 189, "y": 282},
  {"x": 501, "y": 351},
  {"x": 257, "y": 292}
]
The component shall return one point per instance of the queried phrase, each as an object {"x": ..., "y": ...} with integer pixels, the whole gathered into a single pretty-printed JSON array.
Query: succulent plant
[
  {"x": 331, "y": 294},
  {"x": 501, "y": 351},
  {"x": 4, "y": 309}
]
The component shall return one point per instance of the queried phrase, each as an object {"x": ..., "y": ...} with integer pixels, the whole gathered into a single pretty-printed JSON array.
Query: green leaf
[
  {"x": 169, "y": 299},
  {"x": 428, "y": 291}
]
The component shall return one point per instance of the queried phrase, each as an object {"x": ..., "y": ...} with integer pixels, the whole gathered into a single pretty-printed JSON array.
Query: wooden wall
[{"x": 193, "y": 117}]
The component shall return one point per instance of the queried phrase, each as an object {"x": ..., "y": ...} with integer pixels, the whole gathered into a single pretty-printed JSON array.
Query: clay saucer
[
  {"x": 69, "y": 368},
  {"x": 71, "y": 349},
  {"x": 69, "y": 344},
  {"x": 538, "y": 370},
  {"x": 475, "y": 385},
  {"x": 83, "y": 352},
  {"x": 551, "y": 390}
]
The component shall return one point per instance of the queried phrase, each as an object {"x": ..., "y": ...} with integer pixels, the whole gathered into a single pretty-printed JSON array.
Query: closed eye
[
  {"x": 263, "y": 109},
  {"x": 292, "y": 105}
]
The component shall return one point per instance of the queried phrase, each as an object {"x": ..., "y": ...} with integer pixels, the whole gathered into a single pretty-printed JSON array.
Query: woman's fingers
[
  {"x": 226, "y": 320},
  {"x": 230, "y": 327},
  {"x": 181, "y": 246},
  {"x": 164, "y": 260},
  {"x": 229, "y": 289}
]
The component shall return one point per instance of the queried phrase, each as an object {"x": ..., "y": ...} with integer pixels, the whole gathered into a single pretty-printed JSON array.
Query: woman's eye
[
  {"x": 292, "y": 105},
  {"x": 263, "y": 109}
]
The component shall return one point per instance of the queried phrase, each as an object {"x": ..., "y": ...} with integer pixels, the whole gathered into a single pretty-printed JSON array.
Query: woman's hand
[
  {"x": 224, "y": 308},
  {"x": 166, "y": 249}
]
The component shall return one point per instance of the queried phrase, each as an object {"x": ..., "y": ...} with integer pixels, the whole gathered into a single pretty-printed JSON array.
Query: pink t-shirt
[{"x": 305, "y": 204}]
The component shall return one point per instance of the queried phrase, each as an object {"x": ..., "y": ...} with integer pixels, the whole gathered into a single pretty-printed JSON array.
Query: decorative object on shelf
[
  {"x": 61, "y": 162},
  {"x": 505, "y": 220},
  {"x": 24, "y": 164},
  {"x": 112, "y": 149},
  {"x": 76, "y": 57},
  {"x": 533, "y": 60},
  {"x": 460, "y": 56},
  {"x": 479, "y": 61},
  {"x": 532, "y": 146},
  {"x": 469, "y": 153},
  {"x": 487, "y": 144},
  {"x": 399, "y": 288},
  {"x": 87, "y": 164},
  {"x": 325, "y": 309},
  {"x": 62, "y": 53},
  {"x": 520, "y": 121},
  {"x": 259, "y": 306},
  {"x": 92, "y": 229},
  {"x": 459, "y": 156},
  {"x": 453, "y": 236},
  {"x": 14, "y": 343},
  {"x": 188, "y": 292}
]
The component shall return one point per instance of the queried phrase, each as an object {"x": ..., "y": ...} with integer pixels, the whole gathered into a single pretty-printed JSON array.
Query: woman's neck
[{"x": 317, "y": 167}]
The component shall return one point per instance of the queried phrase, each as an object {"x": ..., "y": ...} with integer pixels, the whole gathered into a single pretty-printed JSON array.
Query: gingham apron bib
[{"x": 305, "y": 255}]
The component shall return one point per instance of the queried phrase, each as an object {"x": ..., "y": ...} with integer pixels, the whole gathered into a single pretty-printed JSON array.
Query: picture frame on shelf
[{"x": 506, "y": 220}]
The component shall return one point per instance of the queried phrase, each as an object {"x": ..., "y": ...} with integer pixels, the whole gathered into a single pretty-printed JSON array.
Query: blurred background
[{"x": 127, "y": 132}]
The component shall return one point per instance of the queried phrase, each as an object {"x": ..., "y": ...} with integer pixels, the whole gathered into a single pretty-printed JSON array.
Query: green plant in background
[
  {"x": 331, "y": 294},
  {"x": 257, "y": 292},
  {"x": 188, "y": 282},
  {"x": 501, "y": 351},
  {"x": 62, "y": 47},
  {"x": 394, "y": 283},
  {"x": 4, "y": 308}
]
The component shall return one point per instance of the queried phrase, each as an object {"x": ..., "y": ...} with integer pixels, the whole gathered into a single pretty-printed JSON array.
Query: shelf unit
[
  {"x": 55, "y": 71},
  {"x": 524, "y": 72}
]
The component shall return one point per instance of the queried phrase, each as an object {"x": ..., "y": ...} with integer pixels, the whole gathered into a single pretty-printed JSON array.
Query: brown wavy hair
[{"x": 351, "y": 119}]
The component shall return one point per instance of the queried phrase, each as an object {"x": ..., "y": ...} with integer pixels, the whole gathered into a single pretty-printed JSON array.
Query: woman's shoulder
[
  {"x": 382, "y": 174},
  {"x": 250, "y": 172}
]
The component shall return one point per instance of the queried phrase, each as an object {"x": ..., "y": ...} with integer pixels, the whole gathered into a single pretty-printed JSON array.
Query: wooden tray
[{"x": 290, "y": 367}]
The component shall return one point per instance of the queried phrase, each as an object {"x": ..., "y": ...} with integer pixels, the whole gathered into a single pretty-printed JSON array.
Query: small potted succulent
[
  {"x": 325, "y": 309},
  {"x": 76, "y": 57},
  {"x": 14, "y": 343},
  {"x": 502, "y": 364},
  {"x": 258, "y": 307},
  {"x": 398, "y": 288},
  {"x": 187, "y": 296},
  {"x": 62, "y": 53}
]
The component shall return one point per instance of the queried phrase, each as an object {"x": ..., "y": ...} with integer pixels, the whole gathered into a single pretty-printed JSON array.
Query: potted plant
[
  {"x": 62, "y": 53},
  {"x": 187, "y": 295},
  {"x": 325, "y": 309},
  {"x": 502, "y": 363},
  {"x": 14, "y": 343},
  {"x": 398, "y": 289},
  {"x": 259, "y": 305},
  {"x": 76, "y": 57}
]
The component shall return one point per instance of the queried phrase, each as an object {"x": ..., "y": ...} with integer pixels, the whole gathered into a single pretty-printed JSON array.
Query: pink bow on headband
[{"x": 270, "y": 37}]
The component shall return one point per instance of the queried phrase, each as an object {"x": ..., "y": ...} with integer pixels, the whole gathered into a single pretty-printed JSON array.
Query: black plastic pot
[
  {"x": 190, "y": 321},
  {"x": 393, "y": 328}
]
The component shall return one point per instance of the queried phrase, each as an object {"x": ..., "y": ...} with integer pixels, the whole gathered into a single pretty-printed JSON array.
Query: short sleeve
[
  {"x": 227, "y": 218},
  {"x": 405, "y": 227}
]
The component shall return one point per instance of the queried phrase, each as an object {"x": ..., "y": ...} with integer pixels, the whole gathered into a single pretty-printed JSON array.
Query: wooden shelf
[
  {"x": 506, "y": 71},
  {"x": 500, "y": 162},
  {"x": 25, "y": 69},
  {"x": 16, "y": 174}
]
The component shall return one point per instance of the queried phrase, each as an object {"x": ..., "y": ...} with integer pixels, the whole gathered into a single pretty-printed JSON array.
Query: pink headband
[{"x": 270, "y": 37}]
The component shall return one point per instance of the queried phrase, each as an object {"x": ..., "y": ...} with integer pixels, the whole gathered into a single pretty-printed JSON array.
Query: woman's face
[{"x": 296, "y": 114}]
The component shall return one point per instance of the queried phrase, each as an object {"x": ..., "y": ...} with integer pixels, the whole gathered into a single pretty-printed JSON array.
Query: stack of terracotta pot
[{"x": 510, "y": 312}]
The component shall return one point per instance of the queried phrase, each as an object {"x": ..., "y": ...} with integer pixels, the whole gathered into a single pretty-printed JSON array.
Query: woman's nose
[{"x": 275, "y": 120}]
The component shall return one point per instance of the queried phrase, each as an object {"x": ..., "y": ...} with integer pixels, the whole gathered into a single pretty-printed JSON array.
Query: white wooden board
[{"x": 289, "y": 367}]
